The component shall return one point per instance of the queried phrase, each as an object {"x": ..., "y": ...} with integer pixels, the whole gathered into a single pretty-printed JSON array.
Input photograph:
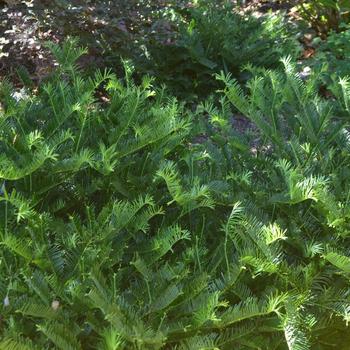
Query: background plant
[
  {"x": 213, "y": 37},
  {"x": 331, "y": 56},
  {"x": 325, "y": 15}
]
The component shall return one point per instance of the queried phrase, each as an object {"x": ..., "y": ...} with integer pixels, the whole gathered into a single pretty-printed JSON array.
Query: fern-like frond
[{"x": 60, "y": 335}]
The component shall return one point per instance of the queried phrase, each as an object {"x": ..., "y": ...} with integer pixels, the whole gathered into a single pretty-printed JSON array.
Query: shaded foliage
[{"x": 213, "y": 37}]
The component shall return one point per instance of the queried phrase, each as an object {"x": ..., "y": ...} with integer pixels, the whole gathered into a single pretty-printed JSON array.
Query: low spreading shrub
[
  {"x": 122, "y": 228},
  {"x": 213, "y": 37}
]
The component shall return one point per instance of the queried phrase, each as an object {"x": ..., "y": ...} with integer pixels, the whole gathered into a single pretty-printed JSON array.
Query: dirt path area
[{"x": 103, "y": 26}]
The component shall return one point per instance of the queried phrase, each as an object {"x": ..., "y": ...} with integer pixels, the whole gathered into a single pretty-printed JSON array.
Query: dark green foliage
[
  {"x": 213, "y": 37},
  {"x": 332, "y": 55},
  {"x": 121, "y": 228}
]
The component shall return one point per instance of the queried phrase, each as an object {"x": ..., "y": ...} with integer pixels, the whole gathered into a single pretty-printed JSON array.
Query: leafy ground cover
[{"x": 217, "y": 219}]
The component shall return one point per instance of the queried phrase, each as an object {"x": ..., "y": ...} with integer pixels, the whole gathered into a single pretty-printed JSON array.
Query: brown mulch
[
  {"x": 102, "y": 25},
  {"x": 269, "y": 5}
]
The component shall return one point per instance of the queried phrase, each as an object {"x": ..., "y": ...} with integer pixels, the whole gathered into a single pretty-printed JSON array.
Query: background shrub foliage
[
  {"x": 212, "y": 37},
  {"x": 128, "y": 221}
]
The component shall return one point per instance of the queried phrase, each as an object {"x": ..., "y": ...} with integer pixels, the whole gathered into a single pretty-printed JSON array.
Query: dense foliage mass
[
  {"x": 132, "y": 220},
  {"x": 211, "y": 38}
]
